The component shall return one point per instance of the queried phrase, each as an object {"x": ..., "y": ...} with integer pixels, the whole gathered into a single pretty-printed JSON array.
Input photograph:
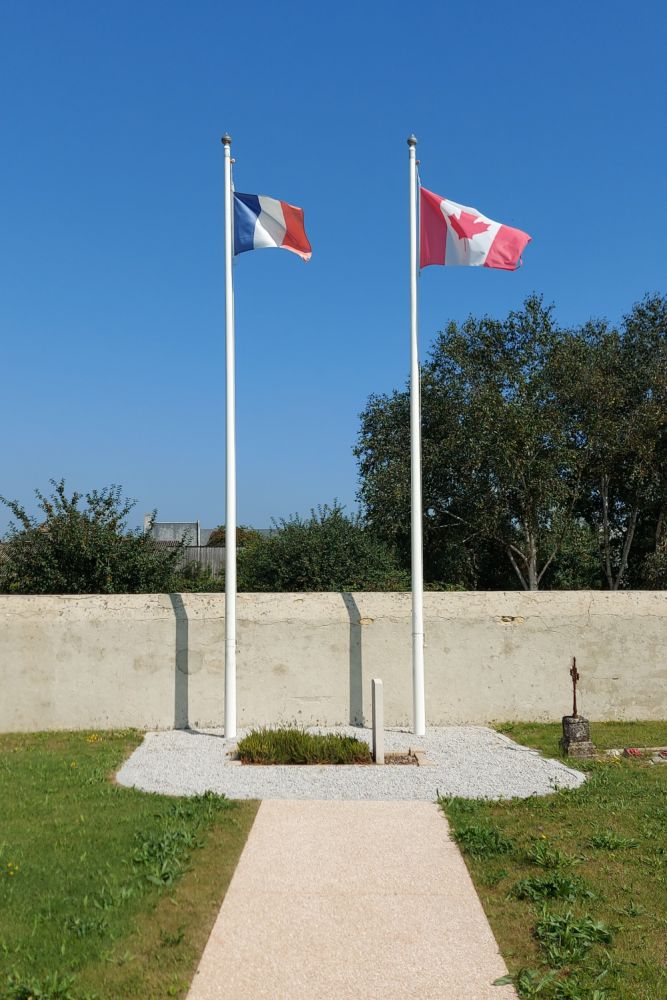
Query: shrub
[
  {"x": 193, "y": 578},
  {"x": 77, "y": 549},
  {"x": 243, "y": 536},
  {"x": 290, "y": 745},
  {"x": 326, "y": 552}
]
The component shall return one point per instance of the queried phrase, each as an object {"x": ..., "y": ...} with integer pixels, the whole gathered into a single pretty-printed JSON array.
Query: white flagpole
[
  {"x": 230, "y": 505},
  {"x": 418, "y": 706}
]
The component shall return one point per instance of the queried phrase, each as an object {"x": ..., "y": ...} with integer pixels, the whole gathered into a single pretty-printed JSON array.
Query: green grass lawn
[
  {"x": 105, "y": 891},
  {"x": 575, "y": 884}
]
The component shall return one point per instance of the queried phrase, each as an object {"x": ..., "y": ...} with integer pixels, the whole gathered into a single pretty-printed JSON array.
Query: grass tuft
[
  {"x": 609, "y": 841},
  {"x": 51, "y": 987},
  {"x": 290, "y": 745},
  {"x": 566, "y": 938},
  {"x": 482, "y": 841},
  {"x": 553, "y": 885},
  {"x": 541, "y": 853}
]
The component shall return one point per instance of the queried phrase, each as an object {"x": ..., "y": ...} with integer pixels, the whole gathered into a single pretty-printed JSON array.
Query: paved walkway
[{"x": 335, "y": 900}]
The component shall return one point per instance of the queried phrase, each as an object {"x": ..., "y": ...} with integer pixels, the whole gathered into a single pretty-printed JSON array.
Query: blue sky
[{"x": 549, "y": 117}]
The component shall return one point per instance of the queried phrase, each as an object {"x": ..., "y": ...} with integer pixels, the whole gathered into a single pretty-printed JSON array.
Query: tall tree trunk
[
  {"x": 629, "y": 535},
  {"x": 533, "y": 578},
  {"x": 660, "y": 529},
  {"x": 527, "y": 573},
  {"x": 516, "y": 567},
  {"x": 531, "y": 561}
]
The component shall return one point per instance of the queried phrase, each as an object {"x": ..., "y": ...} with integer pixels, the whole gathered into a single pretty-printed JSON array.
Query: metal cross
[{"x": 574, "y": 674}]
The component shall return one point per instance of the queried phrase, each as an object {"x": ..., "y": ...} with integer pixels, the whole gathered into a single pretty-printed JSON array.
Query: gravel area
[{"x": 470, "y": 761}]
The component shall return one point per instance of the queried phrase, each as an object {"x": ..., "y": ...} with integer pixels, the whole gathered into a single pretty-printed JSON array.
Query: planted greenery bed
[
  {"x": 290, "y": 745},
  {"x": 105, "y": 892},
  {"x": 575, "y": 884}
]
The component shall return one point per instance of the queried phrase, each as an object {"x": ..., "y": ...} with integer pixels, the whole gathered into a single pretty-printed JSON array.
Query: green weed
[
  {"x": 168, "y": 940},
  {"x": 633, "y": 909},
  {"x": 51, "y": 987},
  {"x": 482, "y": 841},
  {"x": 541, "y": 853},
  {"x": 566, "y": 938},
  {"x": 572, "y": 989},
  {"x": 528, "y": 982},
  {"x": 610, "y": 841},
  {"x": 494, "y": 878},
  {"x": 553, "y": 885},
  {"x": 83, "y": 926},
  {"x": 161, "y": 857}
]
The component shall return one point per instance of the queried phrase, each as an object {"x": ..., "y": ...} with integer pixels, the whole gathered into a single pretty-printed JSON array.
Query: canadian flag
[{"x": 459, "y": 236}]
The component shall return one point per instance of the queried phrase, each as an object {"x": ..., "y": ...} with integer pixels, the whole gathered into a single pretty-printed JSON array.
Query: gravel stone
[{"x": 469, "y": 761}]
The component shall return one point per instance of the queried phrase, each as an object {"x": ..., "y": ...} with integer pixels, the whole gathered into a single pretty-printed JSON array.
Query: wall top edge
[{"x": 353, "y": 608}]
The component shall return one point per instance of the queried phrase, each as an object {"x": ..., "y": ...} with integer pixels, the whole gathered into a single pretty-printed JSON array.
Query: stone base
[
  {"x": 576, "y": 729},
  {"x": 576, "y": 741},
  {"x": 583, "y": 749}
]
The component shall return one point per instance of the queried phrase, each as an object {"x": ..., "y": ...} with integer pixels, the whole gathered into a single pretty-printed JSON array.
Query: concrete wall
[{"x": 157, "y": 661}]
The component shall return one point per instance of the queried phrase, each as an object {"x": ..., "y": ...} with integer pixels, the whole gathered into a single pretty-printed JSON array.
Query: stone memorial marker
[{"x": 576, "y": 739}]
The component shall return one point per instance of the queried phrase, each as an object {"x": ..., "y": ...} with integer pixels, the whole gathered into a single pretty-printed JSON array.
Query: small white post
[
  {"x": 418, "y": 707},
  {"x": 230, "y": 505},
  {"x": 377, "y": 703}
]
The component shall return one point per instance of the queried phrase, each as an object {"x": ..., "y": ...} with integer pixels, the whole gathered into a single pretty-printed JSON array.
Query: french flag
[{"x": 266, "y": 222}]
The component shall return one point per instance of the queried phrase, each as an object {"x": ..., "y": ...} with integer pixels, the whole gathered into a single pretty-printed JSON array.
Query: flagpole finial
[
  {"x": 226, "y": 139},
  {"x": 412, "y": 140}
]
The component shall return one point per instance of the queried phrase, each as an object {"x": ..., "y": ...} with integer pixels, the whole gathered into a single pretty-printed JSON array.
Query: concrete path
[{"x": 335, "y": 900}]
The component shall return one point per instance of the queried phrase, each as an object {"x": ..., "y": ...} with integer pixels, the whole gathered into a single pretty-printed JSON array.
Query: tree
[
  {"x": 77, "y": 549},
  {"x": 327, "y": 551},
  {"x": 501, "y": 469},
  {"x": 612, "y": 385},
  {"x": 645, "y": 344},
  {"x": 243, "y": 535},
  {"x": 542, "y": 444}
]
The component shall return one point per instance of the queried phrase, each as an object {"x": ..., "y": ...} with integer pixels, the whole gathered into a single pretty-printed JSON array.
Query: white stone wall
[{"x": 157, "y": 660}]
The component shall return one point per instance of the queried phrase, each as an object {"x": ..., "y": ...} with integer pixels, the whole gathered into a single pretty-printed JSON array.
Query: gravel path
[{"x": 470, "y": 761}]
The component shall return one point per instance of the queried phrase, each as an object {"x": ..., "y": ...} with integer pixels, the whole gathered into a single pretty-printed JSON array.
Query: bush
[
  {"x": 193, "y": 578},
  {"x": 85, "y": 549},
  {"x": 325, "y": 552},
  {"x": 243, "y": 535},
  {"x": 290, "y": 745}
]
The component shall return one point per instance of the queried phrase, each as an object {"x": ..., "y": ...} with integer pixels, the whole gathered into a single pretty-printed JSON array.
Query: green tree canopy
[
  {"x": 77, "y": 548},
  {"x": 326, "y": 551},
  {"x": 501, "y": 472},
  {"x": 612, "y": 388},
  {"x": 544, "y": 452}
]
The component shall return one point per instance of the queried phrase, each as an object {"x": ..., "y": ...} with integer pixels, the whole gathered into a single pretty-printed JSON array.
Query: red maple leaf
[{"x": 466, "y": 226}]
